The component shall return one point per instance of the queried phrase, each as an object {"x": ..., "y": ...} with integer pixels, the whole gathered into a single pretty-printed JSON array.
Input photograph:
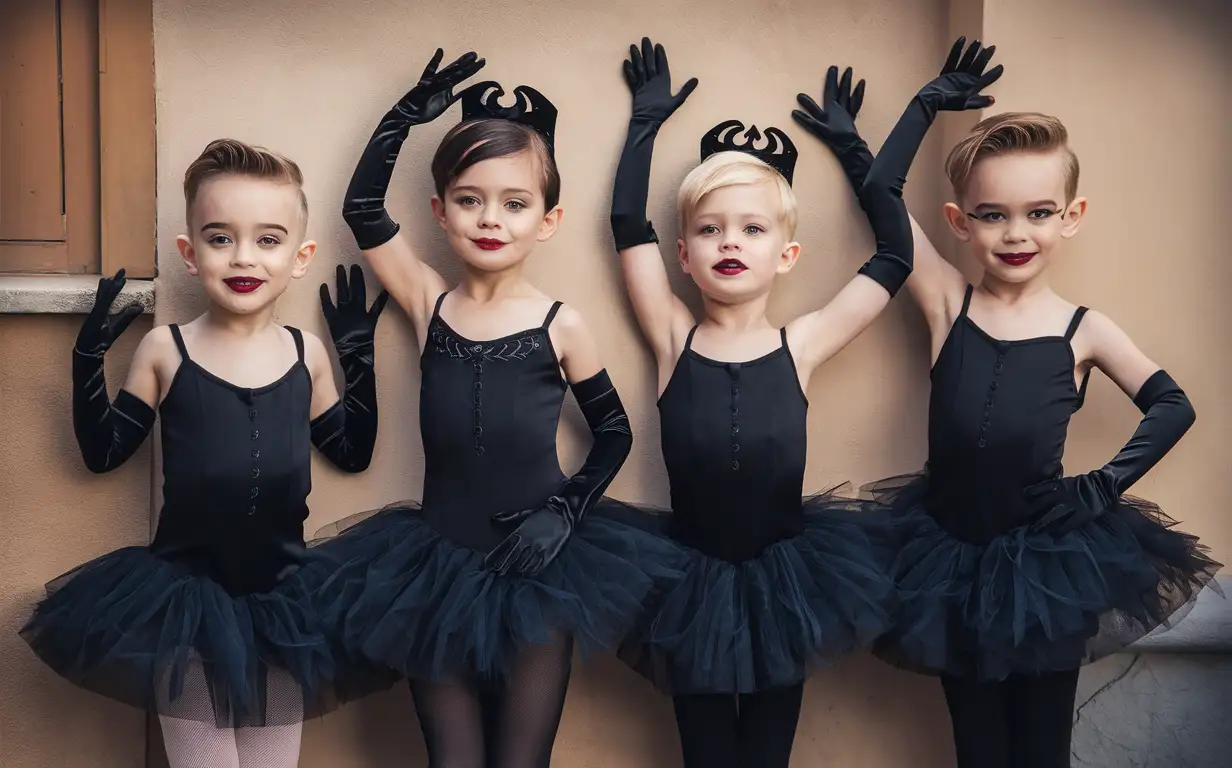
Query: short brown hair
[
  {"x": 230, "y": 156},
  {"x": 1011, "y": 132},
  {"x": 470, "y": 143}
]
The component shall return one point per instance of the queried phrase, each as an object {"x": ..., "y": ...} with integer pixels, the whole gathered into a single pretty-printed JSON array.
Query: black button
[
  {"x": 984, "y": 427},
  {"x": 998, "y": 367},
  {"x": 256, "y": 454},
  {"x": 735, "y": 447},
  {"x": 983, "y": 442},
  {"x": 252, "y": 413},
  {"x": 735, "y": 412},
  {"x": 256, "y": 433},
  {"x": 735, "y": 429},
  {"x": 478, "y": 431},
  {"x": 252, "y": 492},
  {"x": 256, "y": 472},
  {"x": 993, "y": 386},
  {"x": 252, "y": 510},
  {"x": 735, "y": 465},
  {"x": 478, "y": 450}
]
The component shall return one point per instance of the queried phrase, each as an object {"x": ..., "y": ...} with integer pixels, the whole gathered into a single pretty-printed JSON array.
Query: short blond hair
[
  {"x": 1007, "y": 133},
  {"x": 225, "y": 157},
  {"x": 730, "y": 169}
]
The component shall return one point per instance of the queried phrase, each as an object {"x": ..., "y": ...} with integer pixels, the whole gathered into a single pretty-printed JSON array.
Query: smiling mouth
[
  {"x": 1015, "y": 259},
  {"x": 730, "y": 267},
  {"x": 488, "y": 244},
  {"x": 243, "y": 284}
]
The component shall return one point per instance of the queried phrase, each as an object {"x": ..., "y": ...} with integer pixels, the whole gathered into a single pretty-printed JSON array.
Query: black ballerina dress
[
  {"x": 982, "y": 595},
  {"x": 774, "y": 583},
  {"x": 213, "y": 620},
  {"x": 417, "y": 596}
]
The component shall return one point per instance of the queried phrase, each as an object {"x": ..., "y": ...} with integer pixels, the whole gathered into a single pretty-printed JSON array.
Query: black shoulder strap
[
  {"x": 688, "y": 341},
  {"x": 179, "y": 341},
  {"x": 967, "y": 300},
  {"x": 552, "y": 313},
  {"x": 299, "y": 341},
  {"x": 1073, "y": 324}
]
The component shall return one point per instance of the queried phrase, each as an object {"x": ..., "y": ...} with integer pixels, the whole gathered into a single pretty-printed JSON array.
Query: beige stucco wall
[
  {"x": 54, "y": 515},
  {"x": 1144, "y": 91}
]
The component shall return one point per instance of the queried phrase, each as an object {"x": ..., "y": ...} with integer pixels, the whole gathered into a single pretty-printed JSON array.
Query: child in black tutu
[
  {"x": 211, "y": 626},
  {"x": 773, "y": 582},
  {"x": 1012, "y": 574},
  {"x": 480, "y": 594}
]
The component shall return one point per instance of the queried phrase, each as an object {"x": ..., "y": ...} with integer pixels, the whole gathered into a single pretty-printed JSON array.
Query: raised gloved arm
[
  {"x": 363, "y": 208},
  {"x": 650, "y": 81},
  {"x": 346, "y": 432},
  {"x": 107, "y": 433}
]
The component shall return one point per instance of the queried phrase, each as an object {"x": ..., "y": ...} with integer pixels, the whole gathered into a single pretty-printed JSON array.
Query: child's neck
[
  {"x": 1015, "y": 293},
  {"x": 482, "y": 286},
  {"x": 744, "y": 317},
  {"x": 227, "y": 323}
]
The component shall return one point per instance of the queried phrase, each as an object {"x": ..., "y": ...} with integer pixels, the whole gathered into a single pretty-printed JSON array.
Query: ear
[
  {"x": 303, "y": 257},
  {"x": 549, "y": 225},
  {"x": 682, "y": 254},
  {"x": 187, "y": 253},
  {"x": 958, "y": 221},
  {"x": 788, "y": 258},
  {"x": 1073, "y": 216},
  {"x": 438, "y": 210}
]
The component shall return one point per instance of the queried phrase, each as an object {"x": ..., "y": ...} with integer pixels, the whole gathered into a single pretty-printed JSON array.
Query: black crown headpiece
[
  {"x": 779, "y": 153},
  {"x": 530, "y": 108}
]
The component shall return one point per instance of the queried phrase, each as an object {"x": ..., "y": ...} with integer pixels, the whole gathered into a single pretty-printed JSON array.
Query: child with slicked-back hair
[
  {"x": 211, "y": 626},
  {"x": 1013, "y": 573}
]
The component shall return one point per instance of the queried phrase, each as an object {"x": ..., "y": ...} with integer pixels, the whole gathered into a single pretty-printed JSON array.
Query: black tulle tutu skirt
[
  {"x": 1028, "y": 602},
  {"x": 138, "y": 628},
  {"x": 762, "y": 623},
  {"x": 417, "y": 602}
]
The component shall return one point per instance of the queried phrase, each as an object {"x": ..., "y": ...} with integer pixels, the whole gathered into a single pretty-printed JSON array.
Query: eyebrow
[
  {"x": 1033, "y": 204},
  {"x": 511, "y": 190},
  {"x": 221, "y": 225}
]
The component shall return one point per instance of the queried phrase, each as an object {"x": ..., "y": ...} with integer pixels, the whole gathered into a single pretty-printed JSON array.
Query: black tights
[
  {"x": 511, "y": 725},
  {"x": 1023, "y": 722},
  {"x": 753, "y": 730}
]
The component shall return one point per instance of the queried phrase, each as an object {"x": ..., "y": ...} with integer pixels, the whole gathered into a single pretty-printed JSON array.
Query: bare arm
[
  {"x": 664, "y": 319},
  {"x": 936, "y": 285},
  {"x": 1101, "y": 343},
  {"x": 413, "y": 284}
]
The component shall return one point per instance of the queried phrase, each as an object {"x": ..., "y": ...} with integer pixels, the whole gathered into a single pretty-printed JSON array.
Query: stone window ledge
[
  {"x": 65, "y": 294},
  {"x": 1207, "y": 628}
]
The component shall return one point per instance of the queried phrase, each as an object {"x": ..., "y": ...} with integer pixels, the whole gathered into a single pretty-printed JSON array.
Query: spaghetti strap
[
  {"x": 552, "y": 313},
  {"x": 688, "y": 340},
  {"x": 299, "y": 341},
  {"x": 967, "y": 300},
  {"x": 436, "y": 310},
  {"x": 1073, "y": 324},
  {"x": 179, "y": 341},
  {"x": 783, "y": 336}
]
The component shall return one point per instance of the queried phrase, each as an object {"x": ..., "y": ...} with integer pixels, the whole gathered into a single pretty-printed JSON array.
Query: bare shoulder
[
  {"x": 315, "y": 352},
  {"x": 570, "y": 326},
  {"x": 157, "y": 346}
]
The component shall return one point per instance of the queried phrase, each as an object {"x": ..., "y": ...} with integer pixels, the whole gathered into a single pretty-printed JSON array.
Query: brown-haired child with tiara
[
  {"x": 1012, "y": 573},
  {"x": 211, "y": 626}
]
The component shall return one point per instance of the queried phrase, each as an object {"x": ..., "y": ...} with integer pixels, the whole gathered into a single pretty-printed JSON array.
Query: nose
[
  {"x": 487, "y": 217},
  {"x": 1015, "y": 230},
  {"x": 244, "y": 254},
  {"x": 730, "y": 243}
]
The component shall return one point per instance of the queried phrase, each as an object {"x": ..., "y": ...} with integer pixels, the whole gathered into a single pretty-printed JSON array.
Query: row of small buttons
[
  {"x": 477, "y": 399},
  {"x": 255, "y": 490},
  {"x": 733, "y": 370},
  {"x": 992, "y": 391}
]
